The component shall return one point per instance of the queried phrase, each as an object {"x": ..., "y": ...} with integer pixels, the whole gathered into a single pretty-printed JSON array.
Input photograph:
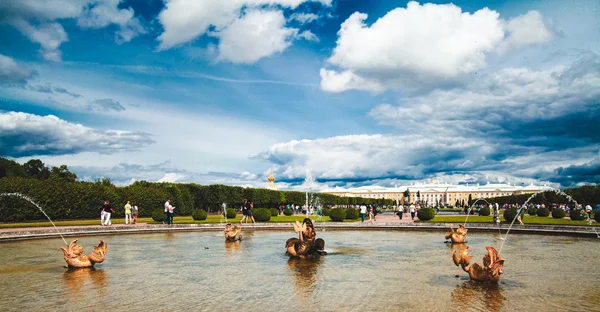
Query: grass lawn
[
  {"x": 177, "y": 220},
  {"x": 527, "y": 220}
]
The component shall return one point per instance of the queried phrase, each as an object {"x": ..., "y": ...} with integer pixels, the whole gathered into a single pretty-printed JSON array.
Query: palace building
[{"x": 437, "y": 193}]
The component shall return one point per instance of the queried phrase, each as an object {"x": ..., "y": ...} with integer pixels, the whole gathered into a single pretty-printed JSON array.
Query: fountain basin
[{"x": 364, "y": 271}]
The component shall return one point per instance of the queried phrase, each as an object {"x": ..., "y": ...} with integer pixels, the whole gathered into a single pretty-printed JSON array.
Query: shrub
[
  {"x": 578, "y": 214},
  {"x": 543, "y": 212},
  {"x": 532, "y": 211},
  {"x": 558, "y": 213},
  {"x": 325, "y": 211},
  {"x": 425, "y": 214},
  {"x": 352, "y": 214},
  {"x": 288, "y": 212},
  {"x": 262, "y": 214},
  {"x": 158, "y": 214},
  {"x": 597, "y": 216},
  {"x": 511, "y": 213},
  {"x": 483, "y": 211},
  {"x": 231, "y": 213},
  {"x": 337, "y": 215},
  {"x": 199, "y": 214},
  {"x": 274, "y": 212}
]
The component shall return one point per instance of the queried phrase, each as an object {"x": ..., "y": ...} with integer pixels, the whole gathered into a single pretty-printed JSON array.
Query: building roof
[{"x": 441, "y": 188}]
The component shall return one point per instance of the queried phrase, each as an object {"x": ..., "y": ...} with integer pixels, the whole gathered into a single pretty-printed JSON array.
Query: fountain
[
  {"x": 76, "y": 259},
  {"x": 38, "y": 207},
  {"x": 556, "y": 191},
  {"x": 232, "y": 231},
  {"x": 305, "y": 246},
  {"x": 309, "y": 183},
  {"x": 489, "y": 272},
  {"x": 459, "y": 236}
]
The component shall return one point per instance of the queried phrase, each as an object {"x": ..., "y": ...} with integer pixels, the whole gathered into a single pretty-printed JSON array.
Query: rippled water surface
[{"x": 365, "y": 271}]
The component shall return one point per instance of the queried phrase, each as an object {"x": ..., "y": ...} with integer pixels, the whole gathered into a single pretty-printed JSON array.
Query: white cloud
[
  {"x": 425, "y": 45},
  {"x": 184, "y": 21},
  {"x": 38, "y": 20},
  {"x": 304, "y": 18},
  {"x": 13, "y": 74},
  {"x": 524, "y": 30},
  {"x": 255, "y": 35},
  {"x": 333, "y": 81},
  {"x": 171, "y": 177},
  {"x": 25, "y": 134}
]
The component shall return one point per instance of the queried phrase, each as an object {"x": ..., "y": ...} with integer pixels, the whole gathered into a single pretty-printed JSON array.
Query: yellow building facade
[{"x": 438, "y": 193}]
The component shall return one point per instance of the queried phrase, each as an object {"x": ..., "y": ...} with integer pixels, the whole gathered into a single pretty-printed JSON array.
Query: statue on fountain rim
[
  {"x": 76, "y": 259},
  {"x": 489, "y": 272},
  {"x": 232, "y": 232},
  {"x": 459, "y": 236},
  {"x": 305, "y": 246}
]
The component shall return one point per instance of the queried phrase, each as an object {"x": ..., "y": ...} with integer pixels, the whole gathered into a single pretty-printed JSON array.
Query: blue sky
[{"x": 356, "y": 92}]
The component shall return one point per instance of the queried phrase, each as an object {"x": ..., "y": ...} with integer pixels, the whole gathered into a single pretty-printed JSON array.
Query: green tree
[
  {"x": 35, "y": 168},
  {"x": 63, "y": 173}
]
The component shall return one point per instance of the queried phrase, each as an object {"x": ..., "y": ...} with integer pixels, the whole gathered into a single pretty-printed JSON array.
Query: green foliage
[
  {"x": 231, "y": 213},
  {"x": 425, "y": 214},
  {"x": 261, "y": 214},
  {"x": 543, "y": 212},
  {"x": 158, "y": 214},
  {"x": 511, "y": 213},
  {"x": 558, "y": 213},
  {"x": 532, "y": 211},
  {"x": 485, "y": 211},
  {"x": 274, "y": 212},
  {"x": 337, "y": 214},
  {"x": 597, "y": 216},
  {"x": 578, "y": 214},
  {"x": 199, "y": 214},
  {"x": 288, "y": 212},
  {"x": 352, "y": 214},
  {"x": 325, "y": 211}
]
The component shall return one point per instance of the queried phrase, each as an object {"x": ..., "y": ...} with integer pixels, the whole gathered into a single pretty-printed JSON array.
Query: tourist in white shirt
[
  {"x": 169, "y": 212},
  {"x": 412, "y": 210},
  {"x": 363, "y": 212}
]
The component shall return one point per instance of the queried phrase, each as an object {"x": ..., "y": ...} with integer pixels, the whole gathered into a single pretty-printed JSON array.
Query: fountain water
[
  {"x": 224, "y": 209},
  {"x": 556, "y": 191},
  {"x": 309, "y": 184},
  {"x": 38, "y": 207},
  {"x": 470, "y": 208}
]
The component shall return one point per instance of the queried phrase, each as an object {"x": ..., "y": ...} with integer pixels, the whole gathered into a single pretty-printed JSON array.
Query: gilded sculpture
[
  {"x": 232, "y": 232},
  {"x": 76, "y": 259},
  {"x": 490, "y": 271},
  {"x": 305, "y": 246},
  {"x": 459, "y": 236}
]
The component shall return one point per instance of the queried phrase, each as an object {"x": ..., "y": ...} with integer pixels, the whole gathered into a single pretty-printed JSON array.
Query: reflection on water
[
  {"x": 364, "y": 271},
  {"x": 473, "y": 295},
  {"x": 84, "y": 282},
  {"x": 304, "y": 271}
]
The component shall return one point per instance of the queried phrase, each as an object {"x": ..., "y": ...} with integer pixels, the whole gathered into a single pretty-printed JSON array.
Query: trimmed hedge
[
  {"x": 511, "y": 213},
  {"x": 231, "y": 213},
  {"x": 337, "y": 215},
  {"x": 261, "y": 214},
  {"x": 597, "y": 216},
  {"x": 325, "y": 211},
  {"x": 274, "y": 212},
  {"x": 558, "y": 213},
  {"x": 532, "y": 211},
  {"x": 543, "y": 212},
  {"x": 352, "y": 214},
  {"x": 158, "y": 214},
  {"x": 578, "y": 214},
  {"x": 486, "y": 211},
  {"x": 288, "y": 212},
  {"x": 199, "y": 215},
  {"x": 425, "y": 214}
]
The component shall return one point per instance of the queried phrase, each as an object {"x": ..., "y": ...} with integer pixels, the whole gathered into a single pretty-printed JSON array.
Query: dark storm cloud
[{"x": 106, "y": 105}]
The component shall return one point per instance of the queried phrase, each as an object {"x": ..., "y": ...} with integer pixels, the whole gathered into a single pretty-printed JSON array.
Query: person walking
[
  {"x": 249, "y": 213},
  {"x": 134, "y": 214},
  {"x": 363, "y": 212},
  {"x": 128, "y": 213},
  {"x": 412, "y": 210},
  {"x": 169, "y": 212},
  {"x": 105, "y": 213},
  {"x": 371, "y": 214},
  {"x": 244, "y": 211}
]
